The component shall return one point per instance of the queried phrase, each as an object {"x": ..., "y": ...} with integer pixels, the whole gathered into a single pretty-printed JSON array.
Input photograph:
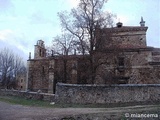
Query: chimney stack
[{"x": 119, "y": 24}]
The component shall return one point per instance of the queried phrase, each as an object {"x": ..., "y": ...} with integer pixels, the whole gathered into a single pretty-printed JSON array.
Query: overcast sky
[{"x": 23, "y": 22}]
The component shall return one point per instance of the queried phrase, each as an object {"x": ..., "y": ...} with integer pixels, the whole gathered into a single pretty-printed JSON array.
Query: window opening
[{"x": 121, "y": 61}]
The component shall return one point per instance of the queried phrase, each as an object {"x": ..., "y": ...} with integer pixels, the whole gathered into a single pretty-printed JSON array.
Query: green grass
[
  {"x": 22, "y": 101},
  {"x": 39, "y": 103}
]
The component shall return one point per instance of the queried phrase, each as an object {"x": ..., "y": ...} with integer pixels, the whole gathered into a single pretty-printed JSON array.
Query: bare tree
[
  {"x": 73, "y": 28},
  {"x": 6, "y": 59},
  {"x": 10, "y": 66},
  {"x": 83, "y": 21},
  {"x": 64, "y": 44}
]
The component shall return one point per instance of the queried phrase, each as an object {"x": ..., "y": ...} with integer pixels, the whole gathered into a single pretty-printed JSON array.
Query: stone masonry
[
  {"x": 121, "y": 56},
  {"x": 44, "y": 72},
  {"x": 105, "y": 94}
]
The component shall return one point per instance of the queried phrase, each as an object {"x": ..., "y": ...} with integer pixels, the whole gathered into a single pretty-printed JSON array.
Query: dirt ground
[{"x": 20, "y": 112}]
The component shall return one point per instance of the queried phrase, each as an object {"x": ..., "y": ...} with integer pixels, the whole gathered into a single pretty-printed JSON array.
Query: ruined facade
[
  {"x": 44, "y": 72},
  {"x": 21, "y": 82},
  {"x": 121, "y": 56}
]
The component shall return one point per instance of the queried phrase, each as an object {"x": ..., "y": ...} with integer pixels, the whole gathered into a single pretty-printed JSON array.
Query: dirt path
[{"x": 19, "y": 112}]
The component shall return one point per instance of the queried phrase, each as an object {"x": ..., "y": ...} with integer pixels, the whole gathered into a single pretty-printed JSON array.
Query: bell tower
[{"x": 39, "y": 50}]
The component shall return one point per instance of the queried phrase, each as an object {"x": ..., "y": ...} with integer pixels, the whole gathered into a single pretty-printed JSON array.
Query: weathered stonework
[
  {"x": 121, "y": 56},
  {"x": 40, "y": 51},
  {"x": 105, "y": 94},
  {"x": 44, "y": 72},
  {"x": 38, "y": 75},
  {"x": 21, "y": 82}
]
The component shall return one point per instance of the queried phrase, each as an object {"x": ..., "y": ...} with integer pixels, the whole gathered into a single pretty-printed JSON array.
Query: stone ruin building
[
  {"x": 121, "y": 56},
  {"x": 44, "y": 72},
  {"x": 21, "y": 82}
]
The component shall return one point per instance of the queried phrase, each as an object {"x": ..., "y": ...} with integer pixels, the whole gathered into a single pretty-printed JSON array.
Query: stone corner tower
[{"x": 39, "y": 50}]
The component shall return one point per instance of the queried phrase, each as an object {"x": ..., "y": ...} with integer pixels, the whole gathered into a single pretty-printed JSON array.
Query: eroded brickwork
[
  {"x": 137, "y": 68},
  {"x": 44, "y": 73},
  {"x": 106, "y": 94},
  {"x": 21, "y": 82},
  {"x": 124, "y": 57},
  {"x": 121, "y": 56},
  {"x": 38, "y": 75}
]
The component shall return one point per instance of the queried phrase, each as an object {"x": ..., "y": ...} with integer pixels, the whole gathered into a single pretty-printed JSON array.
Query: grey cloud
[
  {"x": 19, "y": 43},
  {"x": 15, "y": 49}
]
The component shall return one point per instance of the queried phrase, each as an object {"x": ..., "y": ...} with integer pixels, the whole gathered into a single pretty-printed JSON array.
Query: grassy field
[
  {"x": 121, "y": 110},
  {"x": 22, "y": 101},
  {"x": 39, "y": 103}
]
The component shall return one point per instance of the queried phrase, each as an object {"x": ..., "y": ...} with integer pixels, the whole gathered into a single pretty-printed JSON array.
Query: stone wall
[
  {"x": 43, "y": 74},
  {"x": 21, "y": 82},
  {"x": 121, "y": 37},
  {"x": 136, "y": 67},
  {"x": 28, "y": 95},
  {"x": 131, "y": 38},
  {"x": 38, "y": 75},
  {"x": 105, "y": 94}
]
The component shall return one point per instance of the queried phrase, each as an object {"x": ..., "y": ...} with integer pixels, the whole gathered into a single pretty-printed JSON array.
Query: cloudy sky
[{"x": 23, "y": 22}]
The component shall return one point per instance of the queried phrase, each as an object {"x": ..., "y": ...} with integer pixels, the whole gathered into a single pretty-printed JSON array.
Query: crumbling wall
[
  {"x": 136, "y": 68},
  {"x": 38, "y": 75},
  {"x": 105, "y": 94},
  {"x": 129, "y": 39}
]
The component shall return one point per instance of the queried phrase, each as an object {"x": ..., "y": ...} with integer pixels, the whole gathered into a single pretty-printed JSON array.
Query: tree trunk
[{"x": 65, "y": 71}]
